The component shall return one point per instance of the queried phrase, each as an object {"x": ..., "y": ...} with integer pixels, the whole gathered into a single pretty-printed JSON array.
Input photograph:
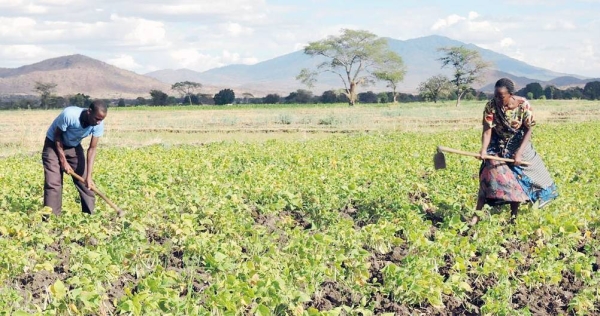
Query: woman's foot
[
  {"x": 513, "y": 217},
  {"x": 514, "y": 209}
]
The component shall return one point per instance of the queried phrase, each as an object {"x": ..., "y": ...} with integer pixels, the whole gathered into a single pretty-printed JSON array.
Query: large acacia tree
[
  {"x": 353, "y": 56},
  {"x": 186, "y": 89},
  {"x": 45, "y": 90},
  {"x": 391, "y": 70},
  {"x": 468, "y": 67}
]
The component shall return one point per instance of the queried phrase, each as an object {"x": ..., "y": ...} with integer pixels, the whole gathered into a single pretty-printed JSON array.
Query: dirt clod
[{"x": 332, "y": 295}]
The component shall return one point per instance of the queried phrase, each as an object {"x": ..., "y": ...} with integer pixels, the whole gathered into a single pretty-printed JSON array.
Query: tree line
[
  {"x": 433, "y": 90},
  {"x": 534, "y": 90}
]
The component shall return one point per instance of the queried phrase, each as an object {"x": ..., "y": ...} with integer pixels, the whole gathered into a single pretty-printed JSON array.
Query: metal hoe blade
[{"x": 439, "y": 160}]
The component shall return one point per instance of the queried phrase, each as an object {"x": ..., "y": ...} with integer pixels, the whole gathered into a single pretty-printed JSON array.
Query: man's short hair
[{"x": 98, "y": 106}]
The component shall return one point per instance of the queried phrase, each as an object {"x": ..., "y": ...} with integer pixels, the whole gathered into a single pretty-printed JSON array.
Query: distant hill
[
  {"x": 78, "y": 74},
  {"x": 420, "y": 57},
  {"x": 563, "y": 82},
  {"x": 570, "y": 81}
]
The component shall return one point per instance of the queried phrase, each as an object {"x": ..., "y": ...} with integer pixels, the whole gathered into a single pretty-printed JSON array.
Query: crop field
[{"x": 262, "y": 217}]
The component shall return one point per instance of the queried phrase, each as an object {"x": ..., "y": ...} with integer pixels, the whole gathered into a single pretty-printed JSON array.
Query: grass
[{"x": 23, "y": 130}]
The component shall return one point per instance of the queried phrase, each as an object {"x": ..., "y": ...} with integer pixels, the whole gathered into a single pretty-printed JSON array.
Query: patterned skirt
[{"x": 501, "y": 183}]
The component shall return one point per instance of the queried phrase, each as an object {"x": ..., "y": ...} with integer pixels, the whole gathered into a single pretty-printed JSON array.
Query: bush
[
  {"x": 284, "y": 119},
  {"x": 329, "y": 96},
  {"x": 367, "y": 97},
  {"x": 300, "y": 96},
  {"x": 225, "y": 96},
  {"x": 272, "y": 99},
  {"x": 329, "y": 120},
  {"x": 383, "y": 97}
]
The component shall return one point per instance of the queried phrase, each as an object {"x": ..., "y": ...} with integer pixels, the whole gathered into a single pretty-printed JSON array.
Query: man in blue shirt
[{"x": 63, "y": 153}]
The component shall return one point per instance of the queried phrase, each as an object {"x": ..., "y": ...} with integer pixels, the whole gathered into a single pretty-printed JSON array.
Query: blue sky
[{"x": 148, "y": 35}]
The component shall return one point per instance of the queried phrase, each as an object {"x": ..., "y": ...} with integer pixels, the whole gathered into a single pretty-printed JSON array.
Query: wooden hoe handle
[
  {"x": 466, "y": 153},
  {"x": 104, "y": 197}
]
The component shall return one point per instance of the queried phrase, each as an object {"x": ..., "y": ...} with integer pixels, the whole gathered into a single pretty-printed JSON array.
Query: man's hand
[
  {"x": 66, "y": 167},
  {"x": 89, "y": 183},
  {"x": 518, "y": 158}
]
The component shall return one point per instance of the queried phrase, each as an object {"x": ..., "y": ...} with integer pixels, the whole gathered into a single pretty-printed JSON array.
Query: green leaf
[
  {"x": 303, "y": 298},
  {"x": 465, "y": 286},
  {"x": 262, "y": 310},
  {"x": 219, "y": 257},
  {"x": 126, "y": 306},
  {"x": 58, "y": 290},
  {"x": 436, "y": 301},
  {"x": 313, "y": 311},
  {"x": 318, "y": 237}
]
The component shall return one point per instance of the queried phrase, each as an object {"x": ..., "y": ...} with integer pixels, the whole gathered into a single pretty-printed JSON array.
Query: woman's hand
[
  {"x": 482, "y": 153},
  {"x": 518, "y": 158}
]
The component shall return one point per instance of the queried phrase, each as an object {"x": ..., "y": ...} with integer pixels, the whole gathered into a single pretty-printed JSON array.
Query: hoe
[
  {"x": 439, "y": 160},
  {"x": 120, "y": 212}
]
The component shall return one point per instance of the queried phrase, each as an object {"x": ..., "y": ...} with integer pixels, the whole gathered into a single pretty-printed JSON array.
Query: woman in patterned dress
[{"x": 507, "y": 126}]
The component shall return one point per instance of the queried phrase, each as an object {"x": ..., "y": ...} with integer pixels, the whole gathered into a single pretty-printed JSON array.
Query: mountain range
[
  {"x": 80, "y": 74},
  {"x": 420, "y": 57},
  {"x": 77, "y": 73}
]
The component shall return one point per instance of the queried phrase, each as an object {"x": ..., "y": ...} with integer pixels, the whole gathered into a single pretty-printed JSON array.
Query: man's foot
[{"x": 474, "y": 220}]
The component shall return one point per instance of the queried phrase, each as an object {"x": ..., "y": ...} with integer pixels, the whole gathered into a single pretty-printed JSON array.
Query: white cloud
[
  {"x": 472, "y": 28},
  {"x": 15, "y": 26},
  {"x": 140, "y": 31},
  {"x": 27, "y": 7},
  {"x": 58, "y": 2},
  {"x": 507, "y": 42},
  {"x": 299, "y": 46},
  {"x": 118, "y": 31},
  {"x": 10, "y": 26},
  {"x": 235, "y": 29},
  {"x": 560, "y": 25},
  {"x": 11, "y": 3},
  {"x": 205, "y": 7},
  {"x": 23, "y": 52},
  {"x": 447, "y": 22},
  {"x": 202, "y": 34},
  {"x": 124, "y": 61},
  {"x": 194, "y": 59},
  {"x": 249, "y": 60},
  {"x": 35, "y": 9},
  {"x": 587, "y": 50}
]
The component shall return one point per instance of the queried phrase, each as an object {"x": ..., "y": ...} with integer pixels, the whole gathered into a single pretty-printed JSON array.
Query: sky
[{"x": 144, "y": 36}]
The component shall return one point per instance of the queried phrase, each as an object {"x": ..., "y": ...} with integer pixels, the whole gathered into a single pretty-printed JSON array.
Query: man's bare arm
[{"x": 91, "y": 156}]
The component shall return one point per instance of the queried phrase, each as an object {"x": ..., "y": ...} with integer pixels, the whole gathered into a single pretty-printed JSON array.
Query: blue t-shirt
[{"x": 73, "y": 132}]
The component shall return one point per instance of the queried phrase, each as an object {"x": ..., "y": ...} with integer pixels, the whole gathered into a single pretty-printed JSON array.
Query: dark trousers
[{"x": 53, "y": 177}]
